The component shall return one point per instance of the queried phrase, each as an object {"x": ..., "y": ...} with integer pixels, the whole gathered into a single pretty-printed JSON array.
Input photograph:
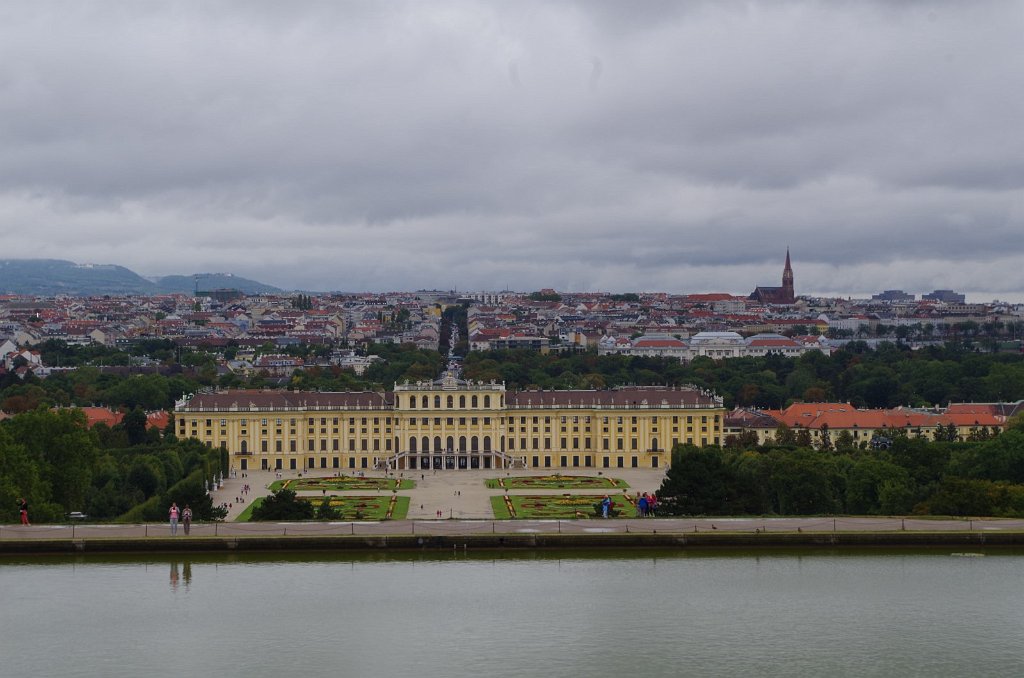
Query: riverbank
[{"x": 263, "y": 543}]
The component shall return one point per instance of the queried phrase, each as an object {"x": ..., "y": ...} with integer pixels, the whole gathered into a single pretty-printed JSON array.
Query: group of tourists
[
  {"x": 184, "y": 514},
  {"x": 645, "y": 505},
  {"x": 240, "y": 499}
]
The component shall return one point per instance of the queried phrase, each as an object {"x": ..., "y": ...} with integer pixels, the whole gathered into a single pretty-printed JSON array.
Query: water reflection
[{"x": 185, "y": 576}]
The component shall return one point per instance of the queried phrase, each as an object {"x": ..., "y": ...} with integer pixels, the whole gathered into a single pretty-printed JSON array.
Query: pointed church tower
[{"x": 789, "y": 296}]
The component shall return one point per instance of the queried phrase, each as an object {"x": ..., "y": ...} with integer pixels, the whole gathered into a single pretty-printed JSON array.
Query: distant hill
[
  {"x": 49, "y": 277},
  {"x": 211, "y": 281}
]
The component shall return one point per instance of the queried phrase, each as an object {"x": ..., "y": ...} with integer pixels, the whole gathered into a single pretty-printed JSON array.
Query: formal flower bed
[
  {"x": 341, "y": 484},
  {"x": 557, "y": 481},
  {"x": 364, "y": 508},
  {"x": 552, "y": 506}
]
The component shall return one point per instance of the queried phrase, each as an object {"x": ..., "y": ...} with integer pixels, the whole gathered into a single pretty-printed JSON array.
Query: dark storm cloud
[{"x": 673, "y": 146}]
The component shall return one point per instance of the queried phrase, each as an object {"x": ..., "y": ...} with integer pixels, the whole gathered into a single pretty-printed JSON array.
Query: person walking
[
  {"x": 23, "y": 509},
  {"x": 186, "y": 518},
  {"x": 173, "y": 513}
]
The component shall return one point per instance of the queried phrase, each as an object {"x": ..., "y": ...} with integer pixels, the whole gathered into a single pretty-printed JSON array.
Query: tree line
[
  {"x": 914, "y": 476},
  {"x": 120, "y": 473},
  {"x": 889, "y": 376},
  {"x": 885, "y": 377}
]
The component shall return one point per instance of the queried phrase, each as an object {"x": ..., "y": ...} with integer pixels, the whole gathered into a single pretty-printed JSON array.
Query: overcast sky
[{"x": 626, "y": 146}]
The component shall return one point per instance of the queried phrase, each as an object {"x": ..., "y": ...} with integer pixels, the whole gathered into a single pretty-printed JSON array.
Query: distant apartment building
[
  {"x": 946, "y": 296},
  {"x": 893, "y": 295},
  {"x": 714, "y": 345},
  {"x": 832, "y": 419}
]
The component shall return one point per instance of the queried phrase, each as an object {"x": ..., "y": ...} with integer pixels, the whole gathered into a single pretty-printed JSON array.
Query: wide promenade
[
  {"x": 466, "y": 519},
  {"x": 459, "y": 527}
]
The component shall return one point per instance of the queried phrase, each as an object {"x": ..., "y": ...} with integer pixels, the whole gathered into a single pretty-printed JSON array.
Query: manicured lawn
[
  {"x": 341, "y": 484},
  {"x": 567, "y": 506},
  {"x": 557, "y": 481},
  {"x": 246, "y": 515},
  {"x": 500, "y": 509}
]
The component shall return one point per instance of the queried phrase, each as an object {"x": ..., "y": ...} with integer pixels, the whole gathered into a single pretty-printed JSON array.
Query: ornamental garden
[{"x": 323, "y": 496}]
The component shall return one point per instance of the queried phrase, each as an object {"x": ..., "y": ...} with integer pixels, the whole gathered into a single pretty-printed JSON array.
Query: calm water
[{"x": 543, "y": 614}]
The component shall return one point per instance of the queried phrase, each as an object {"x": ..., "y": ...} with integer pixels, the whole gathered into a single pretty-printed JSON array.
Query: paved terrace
[{"x": 457, "y": 527}]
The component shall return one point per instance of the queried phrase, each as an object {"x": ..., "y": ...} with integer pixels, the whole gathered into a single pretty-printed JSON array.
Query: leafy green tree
[
  {"x": 866, "y": 480},
  {"x": 283, "y": 505},
  {"x": 961, "y": 497},
  {"x": 325, "y": 511},
  {"x": 804, "y": 482},
  {"x": 20, "y": 477},
  {"x": 784, "y": 435},
  {"x": 1001, "y": 458},
  {"x": 825, "y": 439},
  {"x": 698, "y": 483},
  {"x": 134, "y": 426},
  {"x": 64, "y": 450},
  {"x": 191, "y": 492},
  {"x": 845, "y": 441}
]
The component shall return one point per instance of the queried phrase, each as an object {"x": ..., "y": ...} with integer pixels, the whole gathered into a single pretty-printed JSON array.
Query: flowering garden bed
[
  {"x": 567, "y": 506},
  {"x": 377, "y": 507},
  {"x": 341, "y": 484},
  {"x": 557, "y": 481}
]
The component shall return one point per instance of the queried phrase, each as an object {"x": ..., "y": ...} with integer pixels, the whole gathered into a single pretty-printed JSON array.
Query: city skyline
[{"x": 577, "y": 146}]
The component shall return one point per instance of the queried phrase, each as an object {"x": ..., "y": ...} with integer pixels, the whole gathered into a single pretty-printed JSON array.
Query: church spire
[{"x": 788, "y": 293}]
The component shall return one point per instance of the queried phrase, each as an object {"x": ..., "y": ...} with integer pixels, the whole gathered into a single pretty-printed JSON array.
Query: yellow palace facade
[{"x": 452, "y": 424}]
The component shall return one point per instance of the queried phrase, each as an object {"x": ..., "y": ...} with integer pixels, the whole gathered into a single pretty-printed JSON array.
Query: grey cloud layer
[{"x": 580, "y": 146}]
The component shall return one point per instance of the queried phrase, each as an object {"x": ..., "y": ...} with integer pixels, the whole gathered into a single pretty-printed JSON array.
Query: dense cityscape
[{"x": 769, "y": 370}]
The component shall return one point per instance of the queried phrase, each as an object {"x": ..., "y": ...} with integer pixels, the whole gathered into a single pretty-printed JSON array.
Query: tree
[
  {"x": 64, "y": 450},
  {"x": 744, "y": 441},
  {"x": 698, "y": 483},
  {"x": 825, "y": 439},
  {"x": 134, "y": 425},
  {"x": 784, "y": 435},
  {"x": 804, "y": 482},
  {"x": 869, "y": 479},
  {"x": 325, "y": 511},
  {"x": 283, "y": 505},
  {"x": 192, "y": 492},
  {"x": 948, "y": 432},
  {"x": 845, "y": 441}
]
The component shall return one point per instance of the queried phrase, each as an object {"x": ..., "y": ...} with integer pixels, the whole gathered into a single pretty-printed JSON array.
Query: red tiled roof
[
  {"x": 96, "y": 415},
  {"x": 711, "y": 296},
  {"x": 659, "y": 343},
  {"x": 158, "y": 420},
  {"x": 105, "y": 415}
]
